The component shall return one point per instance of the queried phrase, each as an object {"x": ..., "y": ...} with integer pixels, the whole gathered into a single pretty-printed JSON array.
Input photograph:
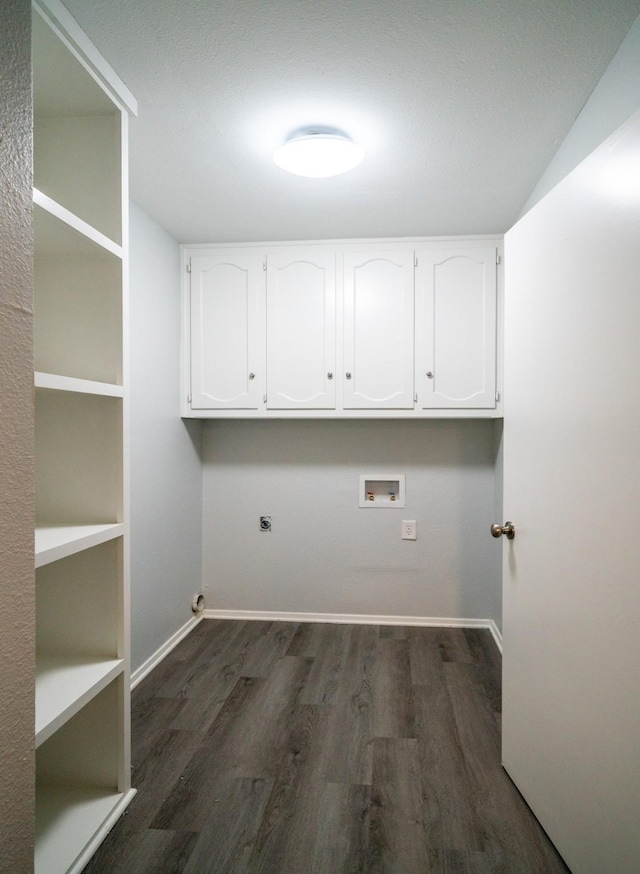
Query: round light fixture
[{"x": 318, "y": 153}]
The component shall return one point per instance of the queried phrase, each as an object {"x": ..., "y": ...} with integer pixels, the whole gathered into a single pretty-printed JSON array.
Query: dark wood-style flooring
[{"x": 286, "y": 748}]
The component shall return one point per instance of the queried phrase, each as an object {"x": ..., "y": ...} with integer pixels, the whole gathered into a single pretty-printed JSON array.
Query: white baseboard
[
  {"x": 359, "y": 619},
  {"x": 496, "y": 634},
  {"x": 274, "y": 616},
  {"x": 83, "y": 859},
  {"x": 146, "y": 667}
]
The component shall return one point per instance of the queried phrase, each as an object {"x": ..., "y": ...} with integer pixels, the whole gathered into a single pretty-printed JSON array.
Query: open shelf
[
  {"x": 81, "y": 786},
  {"x": 54, "y": 542},
  {"x": 65, "y": 816},
  {"x": 65, "y": 685},
  {"x": 78, "y": 303},
  {"x": 78, "y": 459},
  {"x": 78, "y": 185},
  {"x": 55, "y": 382},
  {"x": 55, "y": 224},
  {"x": 77, "y": 136},
  {"x": 78, "y": 638}
]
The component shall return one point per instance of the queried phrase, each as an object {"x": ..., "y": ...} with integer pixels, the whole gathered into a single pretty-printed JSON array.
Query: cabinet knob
[
  {"x": 348, "y": 375},
  {"x": 252, "y": 376},
  {"x": 329, "y": 375},
  {"x": 429, "y": 374}
]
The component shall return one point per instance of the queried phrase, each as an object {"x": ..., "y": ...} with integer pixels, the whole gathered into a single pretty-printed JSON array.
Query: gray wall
[
  {"x": 17, "y": 575},
  {"x": 614, "y": 99},
  {"x": 325, "y": 554},
  {"x": 166, "y": 475}
]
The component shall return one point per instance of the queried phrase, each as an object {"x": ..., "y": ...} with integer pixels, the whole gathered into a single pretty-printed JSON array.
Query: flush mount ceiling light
[{"x": 318, "y": 153}]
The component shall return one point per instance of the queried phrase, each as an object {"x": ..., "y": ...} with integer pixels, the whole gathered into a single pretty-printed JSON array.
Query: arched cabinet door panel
[
  {"x": 378, "y": 329},
  {"x": 225, "y": 360},
  {"x": 301, "y": 329},
  {"x": 456, "y": 328}
]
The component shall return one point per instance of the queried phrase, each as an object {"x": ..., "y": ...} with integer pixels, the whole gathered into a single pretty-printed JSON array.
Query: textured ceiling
[{"x": 459, "y": 104}]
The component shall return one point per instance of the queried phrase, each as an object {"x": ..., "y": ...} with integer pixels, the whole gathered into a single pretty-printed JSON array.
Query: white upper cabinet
[
  {"x": 378, "y": 329},
  {"x": 226, "y": 370},
  {"x": 301, "y": 329},
  {"x": 456, "y": 300},
  {"x": 352, "y": 329}
]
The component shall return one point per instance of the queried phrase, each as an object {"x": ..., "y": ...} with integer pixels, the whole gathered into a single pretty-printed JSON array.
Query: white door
[
  {"x": 378, "y": 329},
  {"x": 226, "y": 359},
  {"x": 301, "y": 329},
  {"x": 571, "y": 708},
  {"x": 456, "y": 327}
]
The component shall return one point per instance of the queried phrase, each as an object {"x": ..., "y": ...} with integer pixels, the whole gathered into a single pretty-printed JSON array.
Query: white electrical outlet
[{"x": 409, "y": 529}]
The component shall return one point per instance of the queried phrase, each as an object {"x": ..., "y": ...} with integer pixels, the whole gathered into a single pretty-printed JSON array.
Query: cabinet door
[
  {"x": 378, "y": 329},
  {"x": 301, "y": 316},
  {"x": 225, "y": 365},
  {"x": 456, "y": 328}
]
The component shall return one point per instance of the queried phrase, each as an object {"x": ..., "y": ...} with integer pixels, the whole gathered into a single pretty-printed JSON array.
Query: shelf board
[
  {"x": 71, "y": 823},
  {"x": 54, "y": 542},
  {"x": 59, "y": 212},
  {"x": 64, "y": 685},
  {"x": 55, "y": 382}
]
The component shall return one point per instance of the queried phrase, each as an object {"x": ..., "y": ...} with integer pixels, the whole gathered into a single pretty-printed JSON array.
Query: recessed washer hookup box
[{"x": 381, "y": 490}]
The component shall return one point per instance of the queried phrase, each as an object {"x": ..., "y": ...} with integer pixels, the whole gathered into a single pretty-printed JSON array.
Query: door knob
[{"x": 508, "y": 529}]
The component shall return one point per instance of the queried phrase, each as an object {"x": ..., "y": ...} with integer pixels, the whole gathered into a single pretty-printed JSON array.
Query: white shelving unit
[{"x": 82, "y": 580}]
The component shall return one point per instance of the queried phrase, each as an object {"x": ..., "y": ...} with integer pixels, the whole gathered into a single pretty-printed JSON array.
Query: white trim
[
  {"x": 78, "y": 43},
  {"x": 462, "y": 239},
  {"x": 146, "y": 667},
  {"x": 98, "y": 837},
  {"x": 496, "y": 634},
  {"x": 343, "y": 618},
  {"x": 360, "y": 619},
  {"x": 421, "y": 413}
]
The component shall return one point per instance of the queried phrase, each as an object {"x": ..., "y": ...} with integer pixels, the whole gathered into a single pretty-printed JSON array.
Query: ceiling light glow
[
  {"x": 621, "y": 179},
  {"x": 318, "y": 154}
]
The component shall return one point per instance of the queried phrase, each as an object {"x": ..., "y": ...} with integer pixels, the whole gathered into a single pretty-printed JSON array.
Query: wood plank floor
[{"x": 286, "y": 748}]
